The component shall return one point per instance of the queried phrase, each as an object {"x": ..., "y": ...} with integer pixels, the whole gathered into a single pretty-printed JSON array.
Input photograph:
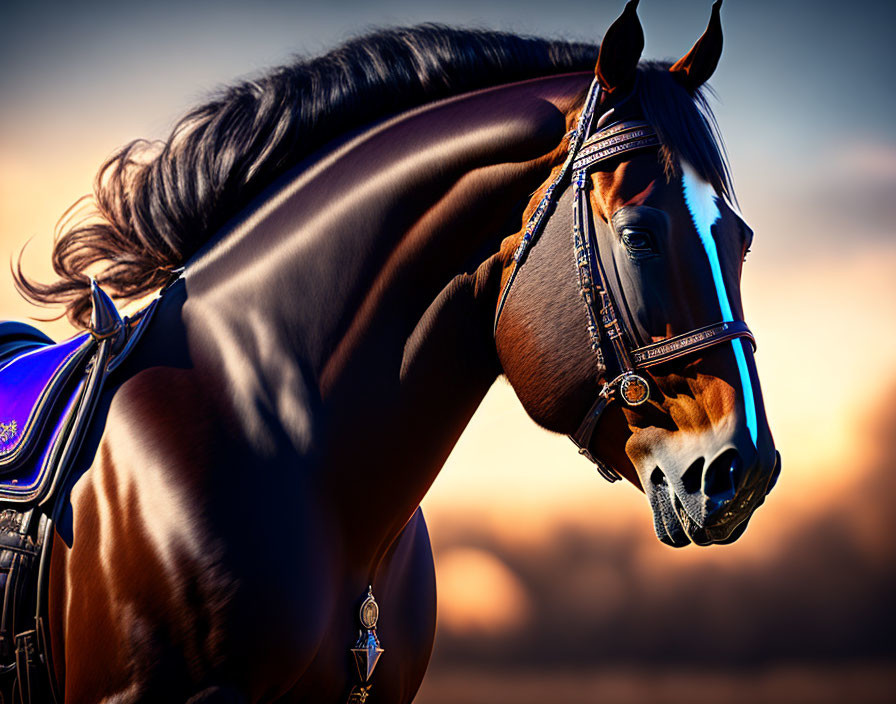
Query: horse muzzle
[{"x": 716, "y": 513}]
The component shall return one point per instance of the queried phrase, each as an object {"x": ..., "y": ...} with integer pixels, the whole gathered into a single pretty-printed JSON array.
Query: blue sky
[{"x": 804, "y": 86}]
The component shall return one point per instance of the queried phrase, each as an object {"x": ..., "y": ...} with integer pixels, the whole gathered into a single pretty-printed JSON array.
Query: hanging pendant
[{"x": 367, "y": 650}]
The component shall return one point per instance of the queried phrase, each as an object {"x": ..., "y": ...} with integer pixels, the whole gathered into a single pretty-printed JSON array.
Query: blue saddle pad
[{"x": 40, "y": 383}]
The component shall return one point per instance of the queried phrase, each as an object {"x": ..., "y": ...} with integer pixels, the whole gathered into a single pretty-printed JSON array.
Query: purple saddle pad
[{"x": 40, "y": 383}]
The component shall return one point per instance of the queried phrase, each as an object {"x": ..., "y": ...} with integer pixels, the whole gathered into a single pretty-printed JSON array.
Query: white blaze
[{"x": 700, "y": 198}]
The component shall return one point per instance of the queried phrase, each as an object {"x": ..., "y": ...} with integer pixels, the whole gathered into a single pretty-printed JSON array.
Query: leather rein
[{"x": 587, "y": 151}]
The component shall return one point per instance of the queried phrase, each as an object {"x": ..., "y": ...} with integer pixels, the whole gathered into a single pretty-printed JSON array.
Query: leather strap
[
  {"x": 614, "y": 140},
  {"x": 689, "y": 342},
  {"x": 536, "y": 223},
  {"x": 582, "y": 436}
]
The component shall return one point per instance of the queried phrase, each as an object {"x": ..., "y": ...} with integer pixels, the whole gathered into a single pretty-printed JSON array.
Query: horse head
[{"x": 625, "y": 288}]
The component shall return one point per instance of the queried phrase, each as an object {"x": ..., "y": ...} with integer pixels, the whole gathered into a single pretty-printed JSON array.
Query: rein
[{"x": 585, "y": 153}]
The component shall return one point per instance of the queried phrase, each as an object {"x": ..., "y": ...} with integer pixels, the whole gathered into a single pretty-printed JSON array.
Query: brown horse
[{"x": 348, "y": 228}]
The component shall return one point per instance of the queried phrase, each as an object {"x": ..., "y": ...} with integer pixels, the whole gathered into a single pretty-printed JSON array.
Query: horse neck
[{"x": 353, "y": 270}]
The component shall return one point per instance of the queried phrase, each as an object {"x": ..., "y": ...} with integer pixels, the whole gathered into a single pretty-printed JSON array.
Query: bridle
[{"x": 586, "y": 151}]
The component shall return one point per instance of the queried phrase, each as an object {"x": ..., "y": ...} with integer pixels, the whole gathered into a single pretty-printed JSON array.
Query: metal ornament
[
  {"x": 8, "y": 430},
  {"x": 359, "y": 694},
  {"x": 367, "y": 650},
  {"x": 634, "y": 389},
  {"x": 370, "y": 611}
]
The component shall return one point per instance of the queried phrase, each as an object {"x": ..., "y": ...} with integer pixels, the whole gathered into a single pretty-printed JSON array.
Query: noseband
[{"x": 586, "y": 151}]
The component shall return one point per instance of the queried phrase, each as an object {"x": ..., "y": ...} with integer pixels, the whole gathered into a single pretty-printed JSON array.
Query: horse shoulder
[{"x": 178, "y": 558}]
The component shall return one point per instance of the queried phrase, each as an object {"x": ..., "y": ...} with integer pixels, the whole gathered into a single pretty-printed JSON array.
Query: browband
[{"x": 616, "y": 139}]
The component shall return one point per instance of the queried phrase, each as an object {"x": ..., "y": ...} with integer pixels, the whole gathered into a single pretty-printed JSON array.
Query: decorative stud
[
  {"x": 634, "y": 389},
  {"x": 8, "y": 431},
  {"x": 370, "y": 610}
]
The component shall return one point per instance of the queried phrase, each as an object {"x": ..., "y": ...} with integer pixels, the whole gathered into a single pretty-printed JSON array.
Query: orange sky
[{"x": 819, "y": 287}]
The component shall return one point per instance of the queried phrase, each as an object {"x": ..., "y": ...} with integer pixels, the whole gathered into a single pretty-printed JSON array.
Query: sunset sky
[{"x": 806, "y": 105}]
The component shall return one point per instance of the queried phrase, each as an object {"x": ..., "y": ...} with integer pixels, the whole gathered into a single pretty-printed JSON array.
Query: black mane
[{"x": 156, "y": 203}]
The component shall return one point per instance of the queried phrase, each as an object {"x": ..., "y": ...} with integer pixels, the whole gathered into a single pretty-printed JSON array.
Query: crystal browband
[
  {"x": 623, "y": 137},
  {"x": 619, "y": 132}
]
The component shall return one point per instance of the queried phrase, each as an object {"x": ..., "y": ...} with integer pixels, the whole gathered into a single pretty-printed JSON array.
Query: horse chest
[{"x": 404, "y": 585}]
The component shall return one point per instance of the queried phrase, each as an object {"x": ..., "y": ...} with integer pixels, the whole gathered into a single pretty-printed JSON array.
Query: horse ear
[
  {"x": 620, "y": 50},
  {"x": 694, "y": 69}
]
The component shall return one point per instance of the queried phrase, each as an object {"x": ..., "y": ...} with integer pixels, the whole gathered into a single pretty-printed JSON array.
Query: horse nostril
[
  {"x": 657, "y": 478},
  {"x": 723, "y": 476},
  {"x": 692, "y": 476},
  {"x": 737, "y": 472}
]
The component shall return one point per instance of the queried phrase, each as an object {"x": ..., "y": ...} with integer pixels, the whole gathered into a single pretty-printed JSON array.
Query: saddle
[{"x": 48, "y": 394}]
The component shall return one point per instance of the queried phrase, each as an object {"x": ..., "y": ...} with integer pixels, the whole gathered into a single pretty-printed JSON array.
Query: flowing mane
[{"x": 155, "y": 203}]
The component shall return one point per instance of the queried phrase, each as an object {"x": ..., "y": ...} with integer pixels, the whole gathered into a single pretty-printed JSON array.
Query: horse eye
[{"x": 637, "y": 242}]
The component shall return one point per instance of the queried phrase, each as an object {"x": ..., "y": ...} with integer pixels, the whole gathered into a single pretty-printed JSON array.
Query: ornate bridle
[{"x": 585, "y": 153}]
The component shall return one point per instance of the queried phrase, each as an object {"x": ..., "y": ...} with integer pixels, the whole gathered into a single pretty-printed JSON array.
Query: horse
[{"x": 350, "y": 251}]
